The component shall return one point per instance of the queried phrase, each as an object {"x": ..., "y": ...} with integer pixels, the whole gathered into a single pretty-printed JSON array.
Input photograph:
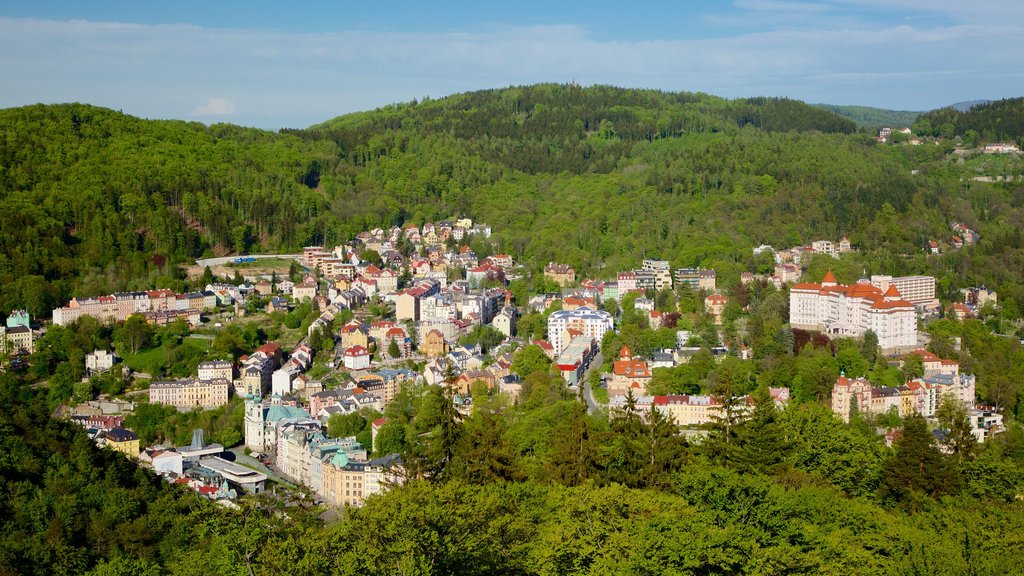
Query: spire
[{"x": 829, "y": 279}]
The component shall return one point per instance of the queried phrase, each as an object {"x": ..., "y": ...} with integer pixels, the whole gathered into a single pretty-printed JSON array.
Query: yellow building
[
  {"x": 343, "y": 481},
  {"x": 123, "y": 441}
]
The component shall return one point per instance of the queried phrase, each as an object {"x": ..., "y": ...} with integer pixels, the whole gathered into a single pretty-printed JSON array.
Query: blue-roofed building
[
  {"x": 19, "y": 318},
  {"x": 264, "y": 418}
]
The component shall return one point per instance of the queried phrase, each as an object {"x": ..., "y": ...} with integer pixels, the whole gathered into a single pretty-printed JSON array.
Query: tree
[
  {"x": 530, "y": 359},
  {"x": 393, "y": 350},
  {"x": 869, "y": 346},
  {"x": 571, "y": 455},
  {"x": 916, "y": 466},
  {"x": 207, "y": 277},
  {"x": 955, "y": 423},
  {"x": 134, "y": 334},
  {"x": 913, "y": 367},
  {"x": 762, "y": 443},
  {"x": 483, "y": 452},
  {"x": 345, "y": 425}
]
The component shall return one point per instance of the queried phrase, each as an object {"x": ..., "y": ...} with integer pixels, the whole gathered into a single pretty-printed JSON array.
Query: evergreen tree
[
  {"x": 571, "y": 454},
  {"x": 955, "y": 424},
  {"x": 869, "y": 346},
  {"x": 664, "y": 449},
  {"x": 762, "y": 444},
  {"x": 917, "y": 465}
]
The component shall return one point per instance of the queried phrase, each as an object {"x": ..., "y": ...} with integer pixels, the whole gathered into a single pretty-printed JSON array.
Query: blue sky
[{"x": 275, "y": 64}]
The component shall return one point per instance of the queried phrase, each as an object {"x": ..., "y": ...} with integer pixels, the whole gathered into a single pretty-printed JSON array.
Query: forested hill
[
  {"x": 995, "y": 121},
  {"x": 95, "y": 200},
  {"x": 553, "y": 124},
  {"x": 873, "y": 118}
]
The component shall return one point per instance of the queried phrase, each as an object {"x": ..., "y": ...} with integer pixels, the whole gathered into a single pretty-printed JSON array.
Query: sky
[{"x": 274, "y": 65}]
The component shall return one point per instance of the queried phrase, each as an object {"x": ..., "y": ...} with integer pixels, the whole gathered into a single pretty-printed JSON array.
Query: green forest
[
  {"x": 597, "y": 177},
  {"x": 537, "y": 488}
]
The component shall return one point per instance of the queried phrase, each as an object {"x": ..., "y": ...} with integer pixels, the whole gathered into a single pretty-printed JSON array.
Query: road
[
  {"x": 595, "y": 364},
  {"x": 230, "y": 259}
]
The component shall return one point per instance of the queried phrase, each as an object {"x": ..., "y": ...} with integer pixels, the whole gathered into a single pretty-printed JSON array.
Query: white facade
[
  {"x": 852, "y": 310},
  {"x": 591, "y": 323}
]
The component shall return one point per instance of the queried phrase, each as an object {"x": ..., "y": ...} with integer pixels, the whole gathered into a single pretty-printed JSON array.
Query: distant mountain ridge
[
  {"x": 968, "y": 104},
  {"x": 991, "y": 121},
  {"x": 872, "y": 118}
]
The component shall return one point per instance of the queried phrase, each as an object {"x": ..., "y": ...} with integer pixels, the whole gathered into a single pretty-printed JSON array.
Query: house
[
  {"x": 787, "y": 273},
  {"x": 357, "y": 358},
  {"x": 505, "y": 321},
  {"x": 933, "y": 247},
  {"x": 355, "y": 333},
  {"x": 433, "y": 344},
  {"x": 401, "y": 340},
  {"x": 714, "y": 305},
  {"x": 961, "y": 311},
  {"x": 562, "y": 274},
  {"x": 305, "y": 290},
  {"x": 121, "y": 440},
  {"x": 629, "y": 373},
  {"x": 99, "y": 361},
  {"x": 502, "y": 260}
]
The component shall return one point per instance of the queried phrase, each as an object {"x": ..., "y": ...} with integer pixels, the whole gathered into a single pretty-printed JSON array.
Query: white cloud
[{"x": 215, "y": 107}]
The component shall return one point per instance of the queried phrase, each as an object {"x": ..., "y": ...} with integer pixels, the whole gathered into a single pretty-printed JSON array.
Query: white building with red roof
[
  {"x": 357, "y": 358},
  {"x": 851, "y": 310}
]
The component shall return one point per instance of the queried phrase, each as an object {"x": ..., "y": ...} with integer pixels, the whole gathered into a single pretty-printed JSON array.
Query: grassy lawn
[
  {"x": 154, "y": 358},
  {"x": 601, "y": 395}
]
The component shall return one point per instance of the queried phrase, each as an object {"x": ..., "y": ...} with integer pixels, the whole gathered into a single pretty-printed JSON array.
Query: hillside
[
  {"x": 991, "y": 121},
  {"x": 597, "y": 177},
  {"x": 872, "y": 118}
]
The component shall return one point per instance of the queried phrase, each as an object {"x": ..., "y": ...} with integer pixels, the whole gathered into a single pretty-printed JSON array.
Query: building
[
  {"x": 505, "y": 322},
  {"x": 918, "y": 290},
  {"x": 573, "y": 362},
  {"x": 694, "y": 410},
  {"x": 17, "y": 340},
  {"x": 696, "y": 279},
  {"x": 590, "y": 323},
  {"x": 305, "y": 290},
  {"x": 629, "y": 373},
  {"x": 919, "y": 396},
  {"x": 121, "y": 440},
  {"x": 433, "y": 344},
  {"x": 714, "y": 305},
  {"x": 562, "y": 274},
  {"x": 979, "y": 296},
  {"x": 662, "y": 273},
  {"x": 838, "y": 309},
  {"x": 263, "y": 419},
  {"x": 787, "y": 273},
  {"x": 357, "y": 358},
  {"x": 19, "y": 318},
  {"x": 348, "y": 482},
  {"x": 187, "y": 394},
  {"x": 216, "y": 370},
  {"x": 99, "y": 361}
]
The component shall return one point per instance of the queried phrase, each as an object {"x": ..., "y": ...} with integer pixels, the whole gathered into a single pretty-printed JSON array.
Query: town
[{"x": 398, "y": 309}]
